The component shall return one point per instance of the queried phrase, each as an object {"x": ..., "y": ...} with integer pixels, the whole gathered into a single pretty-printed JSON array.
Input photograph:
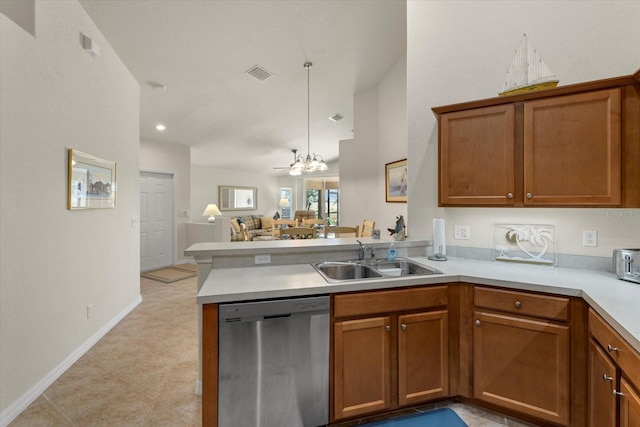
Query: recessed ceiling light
[
  {"x": 336, "y": 117},
  {"x": 160, "y": 127}
]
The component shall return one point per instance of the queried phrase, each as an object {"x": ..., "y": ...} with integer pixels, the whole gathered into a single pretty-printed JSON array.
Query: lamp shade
[
  {"x": 211, "y": 211},
  {"x": 283, "y": 202}
]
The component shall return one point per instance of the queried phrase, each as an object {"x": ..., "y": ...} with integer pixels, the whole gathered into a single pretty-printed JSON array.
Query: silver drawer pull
[
  {"x": 388, "y": 328},
  {"x": 529, "y": 196},
  {"x": 404, "y": 327},
  {"x": 617, "y": 393},
  {"x": 611, "y": 348},
  {"x": 518, "y": 304},
  {"x": 509, "y": 195},
  {"x": 606, "y": 378},
  {"x": 478, "y": 323}
]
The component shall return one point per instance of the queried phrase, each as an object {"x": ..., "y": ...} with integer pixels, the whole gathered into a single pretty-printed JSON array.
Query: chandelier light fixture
[{"x": 309, "y": 164}]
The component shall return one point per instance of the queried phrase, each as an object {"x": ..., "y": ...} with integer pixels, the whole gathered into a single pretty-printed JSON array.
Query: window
[
  {"x": 286, "y": 193},
  {"x": 322, "y": 196}
]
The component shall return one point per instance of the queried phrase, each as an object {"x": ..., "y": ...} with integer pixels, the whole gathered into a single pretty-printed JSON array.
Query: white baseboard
[{"x": 27, "y": 398}]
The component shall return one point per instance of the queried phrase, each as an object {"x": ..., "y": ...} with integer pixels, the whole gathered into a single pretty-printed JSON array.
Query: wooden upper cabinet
[
  {"x": 571, "y": 146},
  {"x": 477, "y": 157},
  {"x": 572, "y": 150}
]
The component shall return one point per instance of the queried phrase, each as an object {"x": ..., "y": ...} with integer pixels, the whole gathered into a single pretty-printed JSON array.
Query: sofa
[{"x": 256, "y": 225}]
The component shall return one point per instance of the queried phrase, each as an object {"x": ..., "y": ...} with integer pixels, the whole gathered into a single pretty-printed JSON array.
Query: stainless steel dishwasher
[{"x": 274, "y": 363}]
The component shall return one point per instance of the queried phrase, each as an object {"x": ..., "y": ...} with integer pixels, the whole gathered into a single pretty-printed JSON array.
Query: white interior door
[{"x": 156, "y": 220}]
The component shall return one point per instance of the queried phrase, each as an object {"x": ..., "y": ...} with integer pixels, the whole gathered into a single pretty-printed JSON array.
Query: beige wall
[
  {"x": 54, "y": 262},
  {"x": 380, "y": 137},
  {"x": 173, "y": 159},
  {"x": 459, "y": 51}
]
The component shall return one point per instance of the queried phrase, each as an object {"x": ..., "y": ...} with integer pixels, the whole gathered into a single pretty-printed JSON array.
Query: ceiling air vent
[
  {"x": 259, "y": 73},
  {"x": 336, "y": 117}
]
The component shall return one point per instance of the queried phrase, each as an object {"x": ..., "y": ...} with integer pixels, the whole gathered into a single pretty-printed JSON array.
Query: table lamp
[{"x": 211, "y": 211}]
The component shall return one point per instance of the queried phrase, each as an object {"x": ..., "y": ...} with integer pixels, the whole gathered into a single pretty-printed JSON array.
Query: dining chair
[
  {"x": 279, "y": 223},
  {"x": 317, "y": 223},
  {"x": 367, "y": 228},
  {"x": 340, "y": 231},
  {"x": 298, "y": 233}
]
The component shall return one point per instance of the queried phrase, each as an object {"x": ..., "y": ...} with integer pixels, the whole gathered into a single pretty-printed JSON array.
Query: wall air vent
[
  {"x": 336, "y": 117},
  {"x": 259, "y": 73}
]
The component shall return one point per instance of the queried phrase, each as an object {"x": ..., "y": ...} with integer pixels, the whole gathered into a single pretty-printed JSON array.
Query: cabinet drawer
[
  {"x": 622, "y": 353},
  {"x": 389, "y": 301},
  {"x": 534, "y": 305}
]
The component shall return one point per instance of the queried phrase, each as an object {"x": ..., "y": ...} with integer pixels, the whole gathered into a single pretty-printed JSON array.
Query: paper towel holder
[{"x": 438, "y": 256}]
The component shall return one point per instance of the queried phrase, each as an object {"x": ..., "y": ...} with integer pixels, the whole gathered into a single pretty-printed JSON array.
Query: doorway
[{"x": 156, "y": 220}]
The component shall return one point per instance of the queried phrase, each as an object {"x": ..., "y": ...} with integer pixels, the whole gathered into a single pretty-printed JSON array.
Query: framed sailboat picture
[{"x": 396, "y": 181}]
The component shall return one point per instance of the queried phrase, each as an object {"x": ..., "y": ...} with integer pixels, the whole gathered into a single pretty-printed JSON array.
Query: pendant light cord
[{"x": 308, "y": 65}]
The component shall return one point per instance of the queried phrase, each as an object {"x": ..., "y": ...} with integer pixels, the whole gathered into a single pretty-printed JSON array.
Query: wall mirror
[{"x": 233, "y": 198}]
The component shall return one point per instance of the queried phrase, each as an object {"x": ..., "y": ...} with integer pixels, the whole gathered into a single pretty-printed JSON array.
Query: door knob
[
  {"x": 529, "y": 196},
  {"x": 518, "y": 304},
  {"x": 404, "y": 327},
  {"x": 509, "y": 195},
  {"x": 478, "y": 322},
  {"x": 388, "y": 328}
]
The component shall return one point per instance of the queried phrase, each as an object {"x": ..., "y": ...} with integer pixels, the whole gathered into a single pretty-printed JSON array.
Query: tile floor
[{"x": 143, "y": 372}]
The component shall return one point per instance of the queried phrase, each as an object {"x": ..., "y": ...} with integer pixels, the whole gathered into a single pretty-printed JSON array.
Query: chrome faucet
[
  {"x": 360, "y": 250},
  {"x": 363, "y": 249}
]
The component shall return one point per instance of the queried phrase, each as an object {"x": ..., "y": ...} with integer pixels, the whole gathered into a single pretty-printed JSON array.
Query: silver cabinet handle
[
  {"x": 606, "y": 378},
  {"x": 611, "y": 348},
  {"x": 617, "y": 393},
  {"x": 518, "y": 304},
  {"x": 529, "y": 196},
  {"x": 478, "y": 322},
  {"x": 509, "y": 195},
  {"x": 404, "y": 327},
  {"x": 388, "y": 328}
]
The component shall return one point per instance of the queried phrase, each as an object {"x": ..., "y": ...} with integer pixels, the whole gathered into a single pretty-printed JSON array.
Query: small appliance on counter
[{"x": 626, "y": 264}]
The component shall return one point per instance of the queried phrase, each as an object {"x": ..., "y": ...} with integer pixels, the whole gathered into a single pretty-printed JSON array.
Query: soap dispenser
[{"x": 391, "y": 252}]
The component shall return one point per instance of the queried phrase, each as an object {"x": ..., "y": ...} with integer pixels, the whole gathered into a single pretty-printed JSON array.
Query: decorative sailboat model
[{"x": 527, "y": 72}]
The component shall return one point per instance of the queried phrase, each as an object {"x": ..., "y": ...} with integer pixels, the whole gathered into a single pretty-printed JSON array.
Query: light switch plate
[{"x": 461, "y": 232}]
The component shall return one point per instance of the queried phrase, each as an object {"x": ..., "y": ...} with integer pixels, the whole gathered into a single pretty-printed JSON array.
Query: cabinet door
[
  {"x": 629, "y": 405},
  {"x": 523, "y": 365},
  {"x": 476, "y": 157},
  {"x": 423, "y": 372},
  {"x": 362, "y": 369},
  {"x": 572, "y": 150},
  {"x": 602, "y": 377}
]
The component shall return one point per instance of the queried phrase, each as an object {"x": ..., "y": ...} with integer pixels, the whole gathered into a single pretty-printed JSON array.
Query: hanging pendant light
[{"x": 308, "y": 164}]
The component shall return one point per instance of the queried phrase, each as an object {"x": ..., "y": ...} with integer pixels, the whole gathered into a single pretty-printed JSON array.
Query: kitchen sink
[
  {"x": 340, "y": 271},
  {"x": 371, "y": 269}
]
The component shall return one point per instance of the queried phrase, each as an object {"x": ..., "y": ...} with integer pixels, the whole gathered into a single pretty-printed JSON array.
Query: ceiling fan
[{"x": 295, "y": 156}]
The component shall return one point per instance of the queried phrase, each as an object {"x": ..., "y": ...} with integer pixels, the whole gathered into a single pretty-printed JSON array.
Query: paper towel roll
[{"x": 439, "y": 245}]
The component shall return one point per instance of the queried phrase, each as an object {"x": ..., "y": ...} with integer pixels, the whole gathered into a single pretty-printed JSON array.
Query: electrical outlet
[
  {"x": 589, "y": 238},
  {"x": 461, "y": 232},
  {"x": 263, "y": 259},
  {"x": 89, "y": 311}
]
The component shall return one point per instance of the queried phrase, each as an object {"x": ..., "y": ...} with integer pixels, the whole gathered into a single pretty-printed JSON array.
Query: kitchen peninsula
[{"x": 563, "y": 306}]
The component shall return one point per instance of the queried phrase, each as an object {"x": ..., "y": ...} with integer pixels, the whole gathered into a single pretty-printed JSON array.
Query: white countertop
[{"x": 615, "y": 300}]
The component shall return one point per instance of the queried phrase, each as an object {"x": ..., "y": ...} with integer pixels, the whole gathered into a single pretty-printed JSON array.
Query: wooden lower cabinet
[
  {"x": 423, "y": 370},
  {"x": 522, "y": 364},
  {"x": 616, "y": 364},
  {"x": 362, "y": 366},
  {"x": 602, "y": 377},
  {"x": 385, "y": 362},
  {"x": 629, "y": 405}
]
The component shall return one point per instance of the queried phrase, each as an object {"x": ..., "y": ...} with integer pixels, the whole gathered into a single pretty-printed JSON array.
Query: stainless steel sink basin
[
  {"x": 341, "y": 271},
  {"x": 404, "y": 267},
  {"x": 370, "y": 269}
]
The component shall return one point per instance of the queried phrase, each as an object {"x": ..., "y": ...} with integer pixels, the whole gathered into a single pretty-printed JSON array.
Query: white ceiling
[{"x": 201, "y": 49}]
